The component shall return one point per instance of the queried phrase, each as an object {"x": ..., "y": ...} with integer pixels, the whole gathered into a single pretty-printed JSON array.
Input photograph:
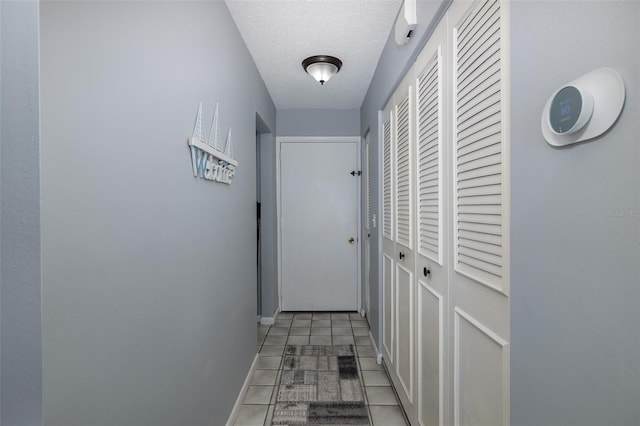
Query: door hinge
[{"x": 356, "y": 173}]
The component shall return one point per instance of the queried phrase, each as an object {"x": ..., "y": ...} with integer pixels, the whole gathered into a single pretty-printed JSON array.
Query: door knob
[
  {"x": 426, "y": 271},
  {"x": 351, "y": 240},
  {"x": 401, "y": 255}
]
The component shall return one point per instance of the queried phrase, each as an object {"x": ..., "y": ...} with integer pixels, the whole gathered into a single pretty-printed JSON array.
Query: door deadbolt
[{"x": 351, "y": 240}]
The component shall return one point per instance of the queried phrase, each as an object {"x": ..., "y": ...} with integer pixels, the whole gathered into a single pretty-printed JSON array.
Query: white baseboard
[
  {"x": 270, "y": 320},
  {"x": 243, "y": 392},
  {"x": 375, "y": 348},
  {"x": 267, "y": 321}
]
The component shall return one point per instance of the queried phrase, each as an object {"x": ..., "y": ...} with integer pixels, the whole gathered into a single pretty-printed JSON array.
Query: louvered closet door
[
  {"x": 404, "y": 362},
  {"x": 387, "y": 136},
  {"x": 432, "y": 211},
  {"x": 480, "y": 253}
]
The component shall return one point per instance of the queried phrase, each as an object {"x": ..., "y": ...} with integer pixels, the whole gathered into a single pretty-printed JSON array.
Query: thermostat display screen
[{"x": 565, "y": 109}]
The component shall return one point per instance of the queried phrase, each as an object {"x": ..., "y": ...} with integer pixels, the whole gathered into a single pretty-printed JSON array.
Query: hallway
[
  {"x": 305, "y": 328},
  {"x": 498, "y": 270}
]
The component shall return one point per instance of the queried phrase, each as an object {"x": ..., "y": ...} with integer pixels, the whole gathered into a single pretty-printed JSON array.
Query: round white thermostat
[
  {"x": 584, "y": 108},
  {"x": 570, "y": 110}
]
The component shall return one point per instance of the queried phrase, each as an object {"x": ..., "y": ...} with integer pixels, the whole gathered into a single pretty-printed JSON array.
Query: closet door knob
[
  {"x": 401, "y": 255},
  {"x": 426, "y": 271}
]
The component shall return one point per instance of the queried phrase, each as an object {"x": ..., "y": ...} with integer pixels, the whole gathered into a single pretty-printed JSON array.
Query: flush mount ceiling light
[{"x": 322, "y": 67}]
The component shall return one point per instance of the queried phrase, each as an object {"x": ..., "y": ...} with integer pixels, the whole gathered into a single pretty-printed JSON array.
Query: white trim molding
[
  {"x": 408, "y": 388},
  {"x": 310, "y": 139},
  {"x": 243, "y": 391},
  {"x": 441, "y": 374},
  {"x": 270, "y": 320},
  {"x": 375, "y": 348},
  {"x": 505, "y": 350},
  {"x": 390, "y": 333}
]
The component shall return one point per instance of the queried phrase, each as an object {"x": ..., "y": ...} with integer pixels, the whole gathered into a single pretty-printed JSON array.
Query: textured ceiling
[{"x": 281, "y": 33}]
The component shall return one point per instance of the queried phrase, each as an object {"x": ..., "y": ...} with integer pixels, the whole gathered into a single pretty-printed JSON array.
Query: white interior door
[
  {"x": 445, "y": 272},
  {"x": 404, "y": 367},
  {"x": 388, "y": 227},
  {"x": 479, "y": 257},
  {"x": 432, "y": 223},
  {"x": 319, "y": 226},
  {"x": 398, "y": 243}
]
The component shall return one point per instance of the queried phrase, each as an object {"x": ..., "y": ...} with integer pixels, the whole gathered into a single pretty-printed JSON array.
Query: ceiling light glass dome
[{"x": 322, "y": 67}]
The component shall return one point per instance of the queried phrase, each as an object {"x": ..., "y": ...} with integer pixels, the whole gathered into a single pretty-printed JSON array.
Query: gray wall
[
  {"x": 318, "y": 122},
  {"x": 394, "y": 63},
  {"x": 575, "y": 298},
  {"x": 269, "y": 239},
  {"x": 149, "y": 273},
  {"x": 21, "y": 333}
]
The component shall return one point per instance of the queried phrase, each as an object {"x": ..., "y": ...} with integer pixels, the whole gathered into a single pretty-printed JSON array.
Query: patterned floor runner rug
[{"x": 320, "y": 385}]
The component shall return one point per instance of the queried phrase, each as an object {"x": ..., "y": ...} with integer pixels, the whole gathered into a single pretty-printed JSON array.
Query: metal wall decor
[{"x": 209, "y": 160}]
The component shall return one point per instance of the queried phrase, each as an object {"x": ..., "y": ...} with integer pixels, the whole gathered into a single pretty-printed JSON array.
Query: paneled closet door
[
  {"x": 387, "y": 132},
  {"x": 432, "y": 226},
  {"x": 404, "y": 368},
  {"x": 479, "y": 259}
]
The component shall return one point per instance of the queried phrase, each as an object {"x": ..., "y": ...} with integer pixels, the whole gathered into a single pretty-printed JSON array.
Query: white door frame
[
  {"x": 333, "y": 139},
  {"x": 366, "y": 166}
]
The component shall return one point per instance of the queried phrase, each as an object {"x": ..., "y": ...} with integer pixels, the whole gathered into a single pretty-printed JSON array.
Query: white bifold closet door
[
  {"x": 387, "y": 132},
  {"x": 479, "y": 261},
  {"x": 445, "y": 155},
  {"x": 433, "y": 237},
  {"x": 398, "y": 258},
  {"x": 404, "y": 362}
]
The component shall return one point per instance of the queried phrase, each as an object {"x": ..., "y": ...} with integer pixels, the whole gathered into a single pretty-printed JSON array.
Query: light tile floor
[{"x": 303, "y": 328}]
